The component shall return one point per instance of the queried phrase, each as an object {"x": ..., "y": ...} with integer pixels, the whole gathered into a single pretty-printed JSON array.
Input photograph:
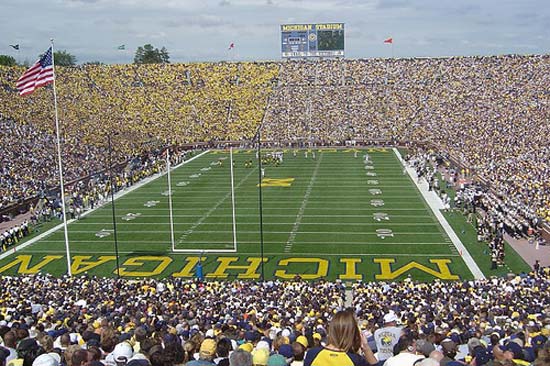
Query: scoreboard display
[{"x": 312, "y": 40}]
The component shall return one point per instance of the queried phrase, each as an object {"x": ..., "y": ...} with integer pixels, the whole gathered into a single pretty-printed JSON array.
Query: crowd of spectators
[
  {"x": 86, "y": 194},
  {"x": 488, "y": 113},
  {"x": 483, "y": 208},
  {"x": 128, "y": 110},
  {"x": 138, "y": 107},
  {"x": 175, "y": 321}
]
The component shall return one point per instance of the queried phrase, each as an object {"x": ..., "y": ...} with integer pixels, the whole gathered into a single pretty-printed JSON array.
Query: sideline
[
  {"x": 436, "y": 205},
  {"x": 117, "y": 195}
]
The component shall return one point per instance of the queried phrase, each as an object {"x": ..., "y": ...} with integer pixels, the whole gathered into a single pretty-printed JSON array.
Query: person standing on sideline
[
  {"x": 346, "y": 346},
  {"x": 536, "y": 267}
]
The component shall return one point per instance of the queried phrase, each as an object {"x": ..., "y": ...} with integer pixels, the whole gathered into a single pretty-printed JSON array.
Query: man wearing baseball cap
[
  {"x": 387, "y": 337},
  {"x": 207, "y": 353}
]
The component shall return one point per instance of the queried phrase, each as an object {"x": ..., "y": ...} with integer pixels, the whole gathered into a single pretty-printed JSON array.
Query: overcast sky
[{"x": 201, "y": 30}]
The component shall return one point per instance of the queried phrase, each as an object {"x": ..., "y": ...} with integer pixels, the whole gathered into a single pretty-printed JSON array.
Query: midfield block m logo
[{"x": 273, "y": 182}]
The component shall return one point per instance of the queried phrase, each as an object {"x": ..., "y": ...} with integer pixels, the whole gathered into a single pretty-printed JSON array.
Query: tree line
[{"x": 146, "y": 54}]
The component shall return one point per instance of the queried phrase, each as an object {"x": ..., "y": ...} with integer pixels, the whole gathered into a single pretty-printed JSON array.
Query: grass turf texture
[{"x": 324, "y": 216}]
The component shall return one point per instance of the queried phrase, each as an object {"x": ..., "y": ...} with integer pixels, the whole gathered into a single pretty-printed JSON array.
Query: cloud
[
  {"x": 206, "y": 21},
  {"x": 524, "y": 19},
  {"x": 200, "y": 21},
  {"x": 151, "y": 35},
  {"x": 392, "y": 4},
  {"x": 83, "y": 1},
  {"x": 354, "y": 34},
  {"x": 203, "y": 29}
]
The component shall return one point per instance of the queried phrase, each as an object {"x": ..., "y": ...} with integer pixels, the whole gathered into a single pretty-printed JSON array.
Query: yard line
[
  {"x": 209, "y": 193},
  {"x": 270, "y": 215},
  {"x": 279, "y": 224},
  {"x": 214, "y": 208},
  {"x": 292, "y": 236},
  {"x": 200, "y": 198},
  {"x": 339, "y": 232},
  {"x": 251, "y": 242},
  {"x": 254, "y": 208},
  {"x": 267, "y": 254}
]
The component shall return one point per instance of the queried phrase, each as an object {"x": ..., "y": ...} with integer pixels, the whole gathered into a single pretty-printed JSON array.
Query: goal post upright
[
  {"x": 234, "y": 221},
  {"x": 172, "y": 241},
  {"x": 233, "y": 199}
]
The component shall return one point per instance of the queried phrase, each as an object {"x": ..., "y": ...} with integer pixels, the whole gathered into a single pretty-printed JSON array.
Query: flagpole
[
  {"x": 60, "y": 167},
  {"x": 18, "y": 57}
]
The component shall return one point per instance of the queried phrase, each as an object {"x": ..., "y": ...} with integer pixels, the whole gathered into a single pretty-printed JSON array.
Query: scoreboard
[{"x": 312, "y": 40}]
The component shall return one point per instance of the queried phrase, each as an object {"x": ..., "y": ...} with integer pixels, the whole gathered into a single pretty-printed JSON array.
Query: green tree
[
  {"x": 64, "y": 58},
  {"x": 6, "y": 60},
  {"x": 164, "y": 55},
  {"x": 150, "y": 55}
]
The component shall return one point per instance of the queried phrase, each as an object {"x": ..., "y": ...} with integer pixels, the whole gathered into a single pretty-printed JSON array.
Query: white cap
[
  {"x": 123, "y": 350},
  {"x": 264, "y": 345},
  {"x": 46, "y": 359},
  {"x": 390, "y": 317}
]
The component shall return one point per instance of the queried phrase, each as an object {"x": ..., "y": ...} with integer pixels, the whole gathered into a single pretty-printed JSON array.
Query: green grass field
[{"x": 318, "y": 222}]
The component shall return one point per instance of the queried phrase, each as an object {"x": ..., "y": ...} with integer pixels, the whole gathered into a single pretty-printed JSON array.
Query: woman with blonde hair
[{"x": 346, "y": 346}]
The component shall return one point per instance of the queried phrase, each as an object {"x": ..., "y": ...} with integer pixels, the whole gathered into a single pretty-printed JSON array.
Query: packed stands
[
  {"x": 287, "y": 318},
  {"x": 141, "y": 109},
  {"x": 488, "y": 114}
]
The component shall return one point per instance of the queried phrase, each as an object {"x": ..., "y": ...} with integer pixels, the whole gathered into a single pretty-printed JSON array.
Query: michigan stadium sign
[{"x": 312, "y": 40}]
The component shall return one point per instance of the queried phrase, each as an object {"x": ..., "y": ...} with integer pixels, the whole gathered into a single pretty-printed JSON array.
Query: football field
[{"x": 326, "y": 213}]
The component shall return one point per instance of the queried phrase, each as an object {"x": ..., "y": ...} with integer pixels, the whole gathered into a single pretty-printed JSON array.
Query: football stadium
[{"x": 318, "y": 209}]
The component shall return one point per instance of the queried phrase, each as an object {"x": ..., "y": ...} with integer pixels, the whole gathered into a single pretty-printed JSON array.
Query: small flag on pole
[
  {"x": 40, "y": 74},
  {"x": 15, "y": 46},
  {"x": 389, "y": 40},
  {"x": 231, "y": 46},
  {"x": 121, "y": 47}
]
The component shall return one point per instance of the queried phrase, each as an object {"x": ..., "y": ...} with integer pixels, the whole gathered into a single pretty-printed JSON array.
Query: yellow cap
[
  {"x": 303, "y": 341},
  {"x": 248, "y": 347}
]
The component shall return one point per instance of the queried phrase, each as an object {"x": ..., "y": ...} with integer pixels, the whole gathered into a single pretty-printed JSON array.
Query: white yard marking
[
  {"x": 200, "y": 221},
  {"x": 380, "y": 255},
  {"x": 300, "y": 215}
]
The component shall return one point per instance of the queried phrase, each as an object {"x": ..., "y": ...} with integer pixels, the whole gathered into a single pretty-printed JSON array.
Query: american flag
[{"x": 40, "y": 74}]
